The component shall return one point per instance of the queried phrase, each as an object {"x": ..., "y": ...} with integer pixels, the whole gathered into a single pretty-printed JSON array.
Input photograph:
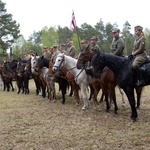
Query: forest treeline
[{"x": 10, "y": 37}]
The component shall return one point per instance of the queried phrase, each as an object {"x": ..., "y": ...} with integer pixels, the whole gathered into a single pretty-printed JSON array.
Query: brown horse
[{"x": 106, "y": 81}]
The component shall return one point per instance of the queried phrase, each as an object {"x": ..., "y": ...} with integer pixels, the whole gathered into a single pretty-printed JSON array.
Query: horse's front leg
[
  {"x": 130, "y": 94},
  {"x": 84, "y": 96},
  {"x": 122, "y": 95},
  {"x": 113, "y": 96}
]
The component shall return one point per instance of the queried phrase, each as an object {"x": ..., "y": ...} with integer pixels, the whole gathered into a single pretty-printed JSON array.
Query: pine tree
[{"x": 9, "y": 29}]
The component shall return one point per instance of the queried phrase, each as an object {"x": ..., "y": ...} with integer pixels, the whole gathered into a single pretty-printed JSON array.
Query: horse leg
[
  {"x": 122, "y": 95},
  {"x": 75, "y": 87},
  {"x": 113, "y": 96},
  {"x": 11, "y": 86},
  {"x": 130, "y": 94},
  {"x": 106, "y": 99},
  {"x": 71, "y": 91},
  {"x": 102, "y": 97},
  {"x": 84, "y": 96},
  {"x": 63, "y": 89},
  {"x": 91, "y": 92},
  {"x": 139, "y": 93}
]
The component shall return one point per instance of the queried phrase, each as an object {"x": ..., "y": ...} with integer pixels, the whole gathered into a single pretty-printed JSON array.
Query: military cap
[
  {"x": 138, "y": 28},
  {"x": 115, "y": 30},
  {"x": 68, "y": 40},
  {"x": 84, "y": 41},
  {"x": 93, "y": 38},
  {"x": 45, "y": 47},
  {"x": 55, "y": 46},
  {"x": 62, "y": 45},
  {"x": 30, "y": 52}
]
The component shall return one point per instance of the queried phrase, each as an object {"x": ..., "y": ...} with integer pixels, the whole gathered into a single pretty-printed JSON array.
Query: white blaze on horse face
[
  {"x": 33, "y": 63},
  {"x": 59, "y": 62}
]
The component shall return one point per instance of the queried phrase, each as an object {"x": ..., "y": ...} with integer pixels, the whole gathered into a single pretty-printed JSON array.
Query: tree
[
  {"x": 64, "y": 34},
  {"x": 49, "y": 36},
  {"x": 128, "y": 38},
  {"x": 9, "y": 29},
  {"x": 35, "y": 38}
]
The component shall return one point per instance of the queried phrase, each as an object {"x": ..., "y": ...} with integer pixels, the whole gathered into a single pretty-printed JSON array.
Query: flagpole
[{"x": 77, "y": 30}]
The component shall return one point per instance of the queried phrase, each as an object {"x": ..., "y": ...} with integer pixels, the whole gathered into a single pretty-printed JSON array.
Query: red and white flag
[{"x": 73, "y": 22}]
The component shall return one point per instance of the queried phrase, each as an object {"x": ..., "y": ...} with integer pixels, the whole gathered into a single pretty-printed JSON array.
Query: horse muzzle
[{"x": 54, "y": 69}]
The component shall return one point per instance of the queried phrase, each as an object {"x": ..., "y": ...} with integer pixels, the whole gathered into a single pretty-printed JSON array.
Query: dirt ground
[{"x": 30, "y": 122}]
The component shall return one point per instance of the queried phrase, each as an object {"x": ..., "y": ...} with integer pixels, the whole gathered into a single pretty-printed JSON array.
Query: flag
[{"x": 73, "y": 22}]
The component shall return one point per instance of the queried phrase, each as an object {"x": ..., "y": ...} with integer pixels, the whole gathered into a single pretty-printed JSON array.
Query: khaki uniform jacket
[
  {"x": 139, "y": 51},
  {"x": 47, "y": 54},
  {"x": 95, "y": 47},
  {"x": 54, "y": 55},
  {"x": 117, "y": 47},
  {"x": 71, "y": 51}
]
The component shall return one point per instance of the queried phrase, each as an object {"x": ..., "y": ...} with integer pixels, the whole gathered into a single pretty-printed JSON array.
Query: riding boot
[{"x": 140, "y": 81}]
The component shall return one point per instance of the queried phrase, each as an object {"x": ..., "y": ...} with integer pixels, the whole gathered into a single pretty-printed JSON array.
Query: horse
[
  {"x": 106, "y": 82},
  {"x": 7, "y": 74},
  {"x": 23, "y": 75},
  {"x": 62, "y": 82},
  {"x": 28, "y": 70},
  {"x": 39, "y": 75},
  {"x": 80, "y": 76},
  {"x": 126, "y": 77}
]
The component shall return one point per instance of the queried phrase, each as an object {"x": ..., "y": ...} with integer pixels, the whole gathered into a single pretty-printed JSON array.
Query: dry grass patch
[{"x": 31, "y": 122}]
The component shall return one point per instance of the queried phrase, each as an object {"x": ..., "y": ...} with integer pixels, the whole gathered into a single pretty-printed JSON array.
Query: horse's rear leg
[
  {"x": 91, "y": 92},
  {"x": 76, "y": 93},
  {"x": 102, "y": 97}
]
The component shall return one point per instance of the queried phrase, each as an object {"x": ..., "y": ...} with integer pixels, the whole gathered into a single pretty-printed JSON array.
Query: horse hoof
[
  {"x": 123, "y": 105},
  {"x": 77, "y": 104},
  {"x": 133, "y": 118},
  {"x": 83, "y": 108}
]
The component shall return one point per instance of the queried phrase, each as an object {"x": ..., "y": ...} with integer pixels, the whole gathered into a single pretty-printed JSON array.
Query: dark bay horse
[
  {"x": 126, "y": 77},
  {"x": 63, "y": 83},
  {"x": 106, "y": 82}
]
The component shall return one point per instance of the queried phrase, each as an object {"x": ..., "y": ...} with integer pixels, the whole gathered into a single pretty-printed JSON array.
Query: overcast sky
[{"x": 33, "y": 15}]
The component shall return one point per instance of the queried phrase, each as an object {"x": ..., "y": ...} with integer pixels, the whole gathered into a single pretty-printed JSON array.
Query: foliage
[
  {"x": 49, "y": 37},
  {"x": 9, "y": 29}
]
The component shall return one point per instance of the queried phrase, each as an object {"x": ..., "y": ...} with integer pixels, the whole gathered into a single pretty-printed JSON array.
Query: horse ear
[{"x": 42, "y": 56}]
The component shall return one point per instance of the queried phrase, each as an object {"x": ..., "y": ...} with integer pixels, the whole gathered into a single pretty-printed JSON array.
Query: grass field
[{"x": 30, "y": 122}]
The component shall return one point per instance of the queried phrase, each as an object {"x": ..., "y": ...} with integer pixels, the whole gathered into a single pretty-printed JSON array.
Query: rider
[
  {"x": 71, "y": 51},
  {"x": 139, "y": 52},
  {"x": 94, "y": 45},
  {"x": 118, "y": 45}
]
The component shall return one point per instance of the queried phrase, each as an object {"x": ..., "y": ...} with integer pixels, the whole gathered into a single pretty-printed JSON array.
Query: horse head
[
  {"x": 85, "y": 56},
  {"x": 98, "y": 64},
  {"x": 59, "y": 62},
  {"x": 33, "y": 63},
  {"x": 39, "y": 64}
]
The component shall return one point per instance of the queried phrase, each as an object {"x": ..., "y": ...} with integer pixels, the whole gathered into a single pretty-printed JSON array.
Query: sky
[{"x": 33, "y": 15}]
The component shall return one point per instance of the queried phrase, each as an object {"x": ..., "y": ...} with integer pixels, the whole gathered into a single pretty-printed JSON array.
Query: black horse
[{"x": 126, "y": 77}]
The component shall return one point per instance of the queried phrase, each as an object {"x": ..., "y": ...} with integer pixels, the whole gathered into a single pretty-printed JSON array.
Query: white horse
[{"x": 81, "y": 78}]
